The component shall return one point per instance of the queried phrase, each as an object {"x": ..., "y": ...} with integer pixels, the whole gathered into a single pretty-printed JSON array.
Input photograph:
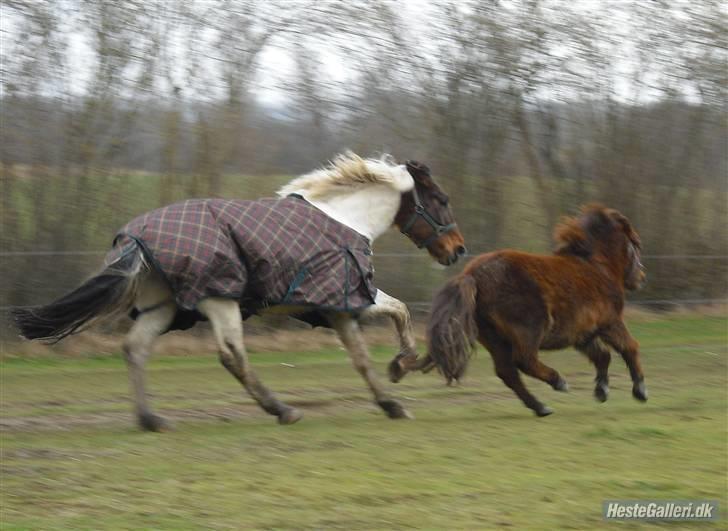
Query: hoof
[
  {"x": 394, "y": 409},
  {"x": 402, "y": 363},
  {"x": 639, "y": 391},
  {"x": 290, "y": 416},
  {"x": 396, "y": 371},
  {"x": 561, "y": 385},
  {"x": 543, "y": 411},
  {"x": 601, "y": 392},
  {"x": 152, "y": 422}
]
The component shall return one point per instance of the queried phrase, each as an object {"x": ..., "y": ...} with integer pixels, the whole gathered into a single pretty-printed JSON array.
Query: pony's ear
[
  {"x": 596, "y": 220},
  {"x": 624, "y": 224},
  {"x": 419, "y": 172},
  {"x": 571, "y": 238}
]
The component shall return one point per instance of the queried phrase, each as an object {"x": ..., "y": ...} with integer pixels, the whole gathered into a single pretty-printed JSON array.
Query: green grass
[{"x": 475, "y": 458}]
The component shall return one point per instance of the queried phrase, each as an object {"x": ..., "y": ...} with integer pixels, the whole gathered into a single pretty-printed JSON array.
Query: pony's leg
[
  {"x": 507, "y": 370},
  {"x": 351, "y": 336},
  {"x": 158, "y": 311},
  {"x": 618, "y": 337},
  {"x": 406, "y": 359},
  {"x": 227, "y": 324},
  {"x": 525, "y": 342},
  {"x": 600, "y": 357},
  {"x": 539, "y": 370}
]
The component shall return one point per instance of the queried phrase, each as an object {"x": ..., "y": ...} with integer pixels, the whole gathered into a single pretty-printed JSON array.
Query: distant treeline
[
  {"x": 524, "y": 111},
  {"x": 671, "y": 184}
]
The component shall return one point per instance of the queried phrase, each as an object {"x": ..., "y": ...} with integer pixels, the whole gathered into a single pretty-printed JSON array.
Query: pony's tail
[
  {"x": 452, "y": 329},
  {"x": 107, "y": 294}
]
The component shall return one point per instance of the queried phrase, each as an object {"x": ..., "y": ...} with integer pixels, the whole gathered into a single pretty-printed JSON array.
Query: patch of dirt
[
  {"x": 345, "y": 399},
  {"x": 107, "y": 419},
  {"x": 52, "y": 454}
]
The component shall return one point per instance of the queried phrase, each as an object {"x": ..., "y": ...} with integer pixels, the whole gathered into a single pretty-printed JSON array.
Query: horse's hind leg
[
  {"x": 539, "y": 370},
  {"x": 532, "y": 366},
  {"x": 158, "y": 311},
  {"x": 350, "y": 335},
  {"x": 525, "y": 354},
  {"x": 224, "y": 314},
  {"x": 600, "y": 357},
  {"x": 507, "y": 370}
]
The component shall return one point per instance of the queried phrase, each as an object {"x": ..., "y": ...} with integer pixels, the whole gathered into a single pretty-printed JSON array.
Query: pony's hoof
[
  {"x": 561, "y": 385},
  {"x": 639, "y": 391},
  {"x": 152, "y": 422},
  {"x": 543, "y": 411},
  {"x": 601, "y": 393},
  {"x": 394, "y": 409},
  {"x": 290, "y": 416}
]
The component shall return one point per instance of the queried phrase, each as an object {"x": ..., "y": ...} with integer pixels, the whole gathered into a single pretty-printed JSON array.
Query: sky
[{"x": 278, "y": 65}]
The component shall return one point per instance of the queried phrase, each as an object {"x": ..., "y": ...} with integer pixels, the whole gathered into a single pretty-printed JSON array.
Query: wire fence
[
  {"x": 382, "y": 255},
  {"x": 421, "y": 305}
]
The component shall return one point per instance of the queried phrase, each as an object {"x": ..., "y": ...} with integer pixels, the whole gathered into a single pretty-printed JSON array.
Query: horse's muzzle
[{"x": 460, "y": 251}]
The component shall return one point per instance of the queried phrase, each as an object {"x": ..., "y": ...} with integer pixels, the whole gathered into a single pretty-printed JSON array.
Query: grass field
[{"x": 474, "y": 458}]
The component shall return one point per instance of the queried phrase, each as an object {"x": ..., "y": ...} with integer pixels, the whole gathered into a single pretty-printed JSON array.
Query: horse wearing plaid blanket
[{"x": 305, "y": 253}]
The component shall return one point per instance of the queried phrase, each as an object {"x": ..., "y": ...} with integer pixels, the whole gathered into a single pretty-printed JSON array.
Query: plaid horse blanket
[{"x": 261, "y": 253}]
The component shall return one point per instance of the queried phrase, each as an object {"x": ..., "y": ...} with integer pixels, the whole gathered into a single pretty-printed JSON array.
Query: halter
[{"x": 438, "y": 229}]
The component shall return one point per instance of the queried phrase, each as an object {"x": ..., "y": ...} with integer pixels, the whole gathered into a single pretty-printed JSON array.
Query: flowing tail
[
  {"x": 452, "y": 329},
  {"x": 109, "y": 293}
]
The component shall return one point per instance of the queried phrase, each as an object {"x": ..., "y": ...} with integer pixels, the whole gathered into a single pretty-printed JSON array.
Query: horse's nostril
[{"x": 461, "y": 250}]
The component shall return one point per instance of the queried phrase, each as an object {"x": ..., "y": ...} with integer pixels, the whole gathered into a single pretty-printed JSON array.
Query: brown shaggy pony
[{"x": 516, "y": 303}]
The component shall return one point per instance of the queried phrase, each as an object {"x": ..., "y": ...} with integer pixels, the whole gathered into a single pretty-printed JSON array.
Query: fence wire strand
[
  {"x": 379, "y": 255},
  {"x": 424, "y": 305}
]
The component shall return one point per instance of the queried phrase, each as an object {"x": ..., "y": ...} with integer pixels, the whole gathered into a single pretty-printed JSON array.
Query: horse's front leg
[
  {"x": 406, "y": 360},
  {"x": 600, "y": 357},
  {"x": 224, "y": 315},
  {"x": 618, "y": 337},
  {"x": 351, "y": 336}
]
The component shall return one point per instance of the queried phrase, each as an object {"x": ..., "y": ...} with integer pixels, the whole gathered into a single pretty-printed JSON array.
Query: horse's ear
[
  {"x": 419, "y": 172},
  {"x": 571, "y": 238},
  {"x": 596, "y": 220},
  {"x": 624, "y": 224}
]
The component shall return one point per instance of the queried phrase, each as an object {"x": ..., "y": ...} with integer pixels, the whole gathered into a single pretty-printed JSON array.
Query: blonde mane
[{"x": 346, "y": 171}]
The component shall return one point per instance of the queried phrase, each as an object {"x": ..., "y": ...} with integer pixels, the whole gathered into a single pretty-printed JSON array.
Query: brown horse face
[
  {"x": 426, "y": 218},
  {"x": 634, "y": 272}
]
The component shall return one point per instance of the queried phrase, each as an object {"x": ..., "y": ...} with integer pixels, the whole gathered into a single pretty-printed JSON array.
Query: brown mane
[{"x": 579, "y": 236}]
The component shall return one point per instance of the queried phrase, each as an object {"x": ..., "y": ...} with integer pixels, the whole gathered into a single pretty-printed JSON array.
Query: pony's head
[
  {"x": 425, "y": 217},
  {"x": 607, "y": 234}
]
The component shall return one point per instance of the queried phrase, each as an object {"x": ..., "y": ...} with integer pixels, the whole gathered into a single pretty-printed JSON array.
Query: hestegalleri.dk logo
[{"x": 660, "y": 510}]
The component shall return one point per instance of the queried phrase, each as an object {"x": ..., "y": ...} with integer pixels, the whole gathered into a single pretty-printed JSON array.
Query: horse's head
[
  {"x": 608, "y": 233},
  {"x": 425, "y": 217},
  {"x": 630, "y": 246}
]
